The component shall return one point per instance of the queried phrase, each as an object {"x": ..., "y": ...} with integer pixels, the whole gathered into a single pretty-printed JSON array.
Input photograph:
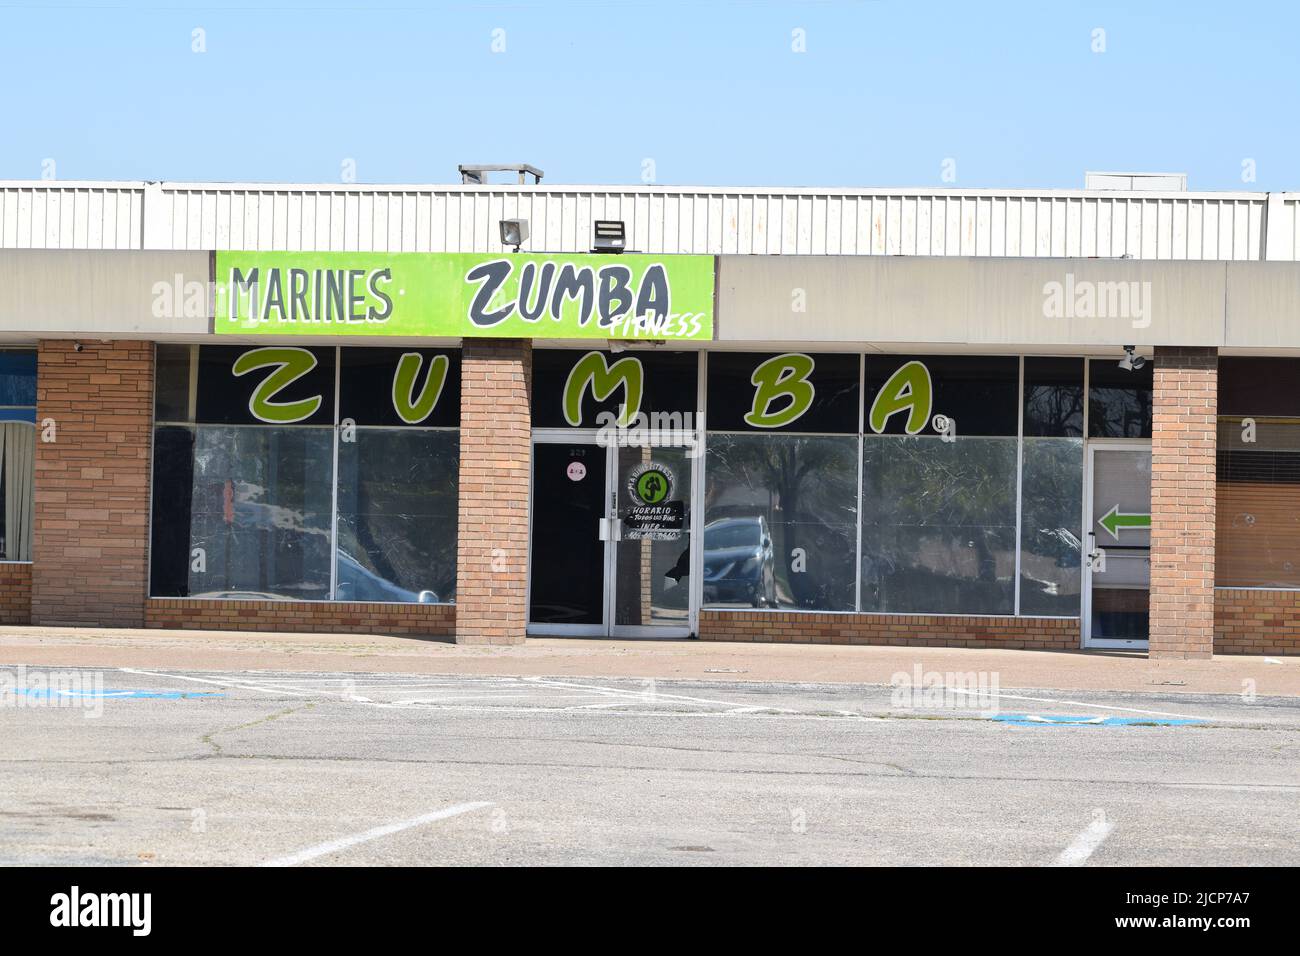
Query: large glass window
[
  {"x": 1051, "y": 487},
  {"x": 247, "y": 475},
  {"x": 1051, "y": 552},
  {"x": 260, "y": 513},
  {"x": 397, "y": 515},
  {"x": 938, "y": 525},
  {"x": 781, "y": 481},
  {"x": 967, "y": 472},
  {"x": 17, "y": 452},
  {"x": 1257, "y": 530},
  {"x": 939, "y": 484},
  {"x": 780, "y": 521}
]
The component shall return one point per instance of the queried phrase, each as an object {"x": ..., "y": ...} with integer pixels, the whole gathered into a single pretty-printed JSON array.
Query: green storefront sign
[{"x": 465, "y": 295}]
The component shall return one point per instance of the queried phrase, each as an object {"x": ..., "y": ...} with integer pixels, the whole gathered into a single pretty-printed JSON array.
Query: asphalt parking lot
[{"x": 153, "y": 767}]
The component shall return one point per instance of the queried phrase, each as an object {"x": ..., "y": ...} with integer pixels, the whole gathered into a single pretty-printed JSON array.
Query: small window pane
[
  {"x": 172, "y": 383},
  {"x": 1255, "y": 387},
  {"x": 780, "y": 526},
  {"x": 17, "y": 377},
  {"x": 173, "y": 487},
  {"x": 1054, "y": 397},
  {"x": 979, "y": 394},
  {"x": 17, "y": 470},
  {"x": 938, "y": 525},
  {"x": 397, "y": 516},
  {"x": 1050, "y": 517},
  {"x": 1119, "y": 400}
]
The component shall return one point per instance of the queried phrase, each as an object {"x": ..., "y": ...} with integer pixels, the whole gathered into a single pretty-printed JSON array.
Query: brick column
[
  {"x": 495, "y": 452},
  {"x": 1183, "y": 437},
  {"x": 90, "y": 535}
]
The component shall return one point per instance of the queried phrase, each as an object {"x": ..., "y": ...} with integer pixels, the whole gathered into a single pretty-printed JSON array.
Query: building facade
[{"x": 972, "y": 418}]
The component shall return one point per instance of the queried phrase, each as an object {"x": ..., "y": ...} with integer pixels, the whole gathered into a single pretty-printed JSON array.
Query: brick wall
[
  {"x": 1256, "y": 622},
  {"x": 919, "y": 630},
  {"x": 495, "y": 454},
  {"x": 89, "y": 542},
  {"x": 15, "y": 593},
  {"x": 1184, "y": 431},
  {"x": 414, "y": 620}
]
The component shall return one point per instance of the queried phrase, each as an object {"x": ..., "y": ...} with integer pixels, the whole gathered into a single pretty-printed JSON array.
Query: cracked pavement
[{"x": 244, "y": 767}]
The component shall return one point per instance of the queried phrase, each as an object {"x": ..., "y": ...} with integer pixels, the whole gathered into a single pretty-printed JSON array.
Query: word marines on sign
[{"x": 307, "y": 296}]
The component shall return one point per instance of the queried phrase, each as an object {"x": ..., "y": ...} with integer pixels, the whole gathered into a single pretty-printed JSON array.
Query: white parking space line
[
  {"x": 1086, "y": 843},
  {"x": 541, "y": 694},
  {"x": 647, "y": 696},
  {"x": 239, "y": 684},
  {"x": 344, "y": 843}
]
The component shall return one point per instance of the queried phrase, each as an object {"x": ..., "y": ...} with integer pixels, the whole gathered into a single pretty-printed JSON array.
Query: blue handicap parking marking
[
  {"x": 1057, "y": 720},
  {"x": 47, "y": 693}
]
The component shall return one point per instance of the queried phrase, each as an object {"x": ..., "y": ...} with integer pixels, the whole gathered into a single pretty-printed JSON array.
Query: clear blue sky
[{"x": 710, "y": 90}]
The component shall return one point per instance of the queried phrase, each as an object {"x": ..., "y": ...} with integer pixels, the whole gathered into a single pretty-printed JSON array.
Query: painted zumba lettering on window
[
  {"x": 949, "y": 395},
  {"x": 603, "y": 378},
  {"x": 284, "y": 385},
  {"x": 284, "y": 510},
  {"x": 785, "y": 392},
  {"x": 592, "y": 389}
]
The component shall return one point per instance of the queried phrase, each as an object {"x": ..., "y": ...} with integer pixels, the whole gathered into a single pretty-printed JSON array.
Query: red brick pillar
[
  {"x": 90, "y": 547},
  {"x": 1185, "y": 406},
  {"x": 495, "y": 451}
]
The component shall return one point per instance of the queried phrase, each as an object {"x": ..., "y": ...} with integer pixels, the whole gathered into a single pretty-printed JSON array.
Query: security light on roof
[{"x": 514, "y": 232}]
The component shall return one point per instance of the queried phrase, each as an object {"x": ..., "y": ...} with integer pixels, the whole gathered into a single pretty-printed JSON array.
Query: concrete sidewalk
[{"x": 695, "y": 660}]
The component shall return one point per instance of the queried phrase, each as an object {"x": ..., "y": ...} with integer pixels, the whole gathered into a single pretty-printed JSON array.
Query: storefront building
[{"x": 1025, "y": 420}]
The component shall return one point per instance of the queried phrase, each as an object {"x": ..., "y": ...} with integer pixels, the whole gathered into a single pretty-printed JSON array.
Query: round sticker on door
[
  {"x": 576, "y": 471},
  {"x": 650, "y": 484}
]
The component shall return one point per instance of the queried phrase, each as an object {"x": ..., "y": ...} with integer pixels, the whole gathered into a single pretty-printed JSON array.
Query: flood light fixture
[
  {"x": 514, "y": 232},
  {"x": 610, "y": 236}
]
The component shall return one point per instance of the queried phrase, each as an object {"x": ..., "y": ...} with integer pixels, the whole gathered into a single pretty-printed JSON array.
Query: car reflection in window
[
  {"x": 356, "y": 583},
  {"x": 739, "y": 565}
]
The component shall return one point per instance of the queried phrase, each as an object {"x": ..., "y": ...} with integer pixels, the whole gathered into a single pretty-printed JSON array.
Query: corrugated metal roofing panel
[{"x": 941, "y": 222}]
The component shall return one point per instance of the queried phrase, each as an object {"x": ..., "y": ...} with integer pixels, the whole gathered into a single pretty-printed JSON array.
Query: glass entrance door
[
  {"x": 610, "y": 543},
  {"x": 652, "y": 556},
  {"x": 567, "y": 559},
  {"x": 1118, "y": 565}
]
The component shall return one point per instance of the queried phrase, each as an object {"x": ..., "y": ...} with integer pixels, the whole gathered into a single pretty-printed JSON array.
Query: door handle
[{"x": 1097, "y": 556}]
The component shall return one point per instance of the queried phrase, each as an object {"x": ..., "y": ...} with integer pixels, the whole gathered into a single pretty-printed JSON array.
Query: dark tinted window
[
  {"x": 172, "y": 383},
  {"x": 1119, "y": 401},
  {"x": 1054, "y": 397},
  {"x": 824, "y": 389},
  {"x": 979, "y": 394},
  {"x": 367, "y": 383},
  {"x": 668, "y": 383},
  {"x": 17, "y": 377}
]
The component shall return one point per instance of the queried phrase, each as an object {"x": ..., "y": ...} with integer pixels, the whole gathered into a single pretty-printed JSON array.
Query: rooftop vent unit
[
  {"x": 476, "y": 175},
  {"x": 1144, "y": 182}
]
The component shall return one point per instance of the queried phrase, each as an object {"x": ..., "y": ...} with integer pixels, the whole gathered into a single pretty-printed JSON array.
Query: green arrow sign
[{"x": 1116, "y": 521}]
